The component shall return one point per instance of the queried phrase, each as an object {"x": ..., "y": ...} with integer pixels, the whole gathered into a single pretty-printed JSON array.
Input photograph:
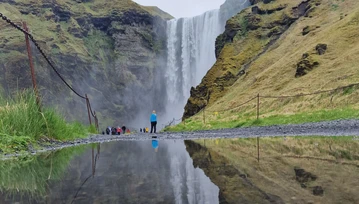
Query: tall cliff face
[
  {"x": 110, "y": 50},
  {"x": 247, "y": 37}
]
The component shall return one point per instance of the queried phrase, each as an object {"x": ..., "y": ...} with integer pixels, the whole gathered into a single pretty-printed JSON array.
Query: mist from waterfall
[{"x": 191, "y": 53}]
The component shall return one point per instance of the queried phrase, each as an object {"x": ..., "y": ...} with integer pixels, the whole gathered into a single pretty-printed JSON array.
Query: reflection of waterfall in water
[
  {"x": 191, "y": 52},
  {"x": 190, "y": 185}
]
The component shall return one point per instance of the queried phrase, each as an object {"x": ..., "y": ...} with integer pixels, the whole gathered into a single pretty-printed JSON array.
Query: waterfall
[
  {"x": 191, "y": 52},
  {"x": 190, "y": 45}
]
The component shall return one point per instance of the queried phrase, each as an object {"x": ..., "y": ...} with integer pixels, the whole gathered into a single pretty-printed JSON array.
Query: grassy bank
[
  {"x": 22, "y": 124},
  {"x": 246, "y": 120}
]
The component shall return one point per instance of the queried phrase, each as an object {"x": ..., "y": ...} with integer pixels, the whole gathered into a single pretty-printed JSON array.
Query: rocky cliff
[
  {"x": 110, "y": 50},
  {"x": 279, "y": 47}
]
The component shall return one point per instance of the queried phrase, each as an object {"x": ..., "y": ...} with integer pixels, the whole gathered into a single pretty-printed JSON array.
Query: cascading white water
[
  {"x": 191, "y": 45},
  {"x": 191, "y": 52},
  {"x": 190, "y": 185}
]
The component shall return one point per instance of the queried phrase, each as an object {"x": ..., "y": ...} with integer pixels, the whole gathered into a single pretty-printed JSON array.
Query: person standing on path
[{"x": 153, "y": 121}]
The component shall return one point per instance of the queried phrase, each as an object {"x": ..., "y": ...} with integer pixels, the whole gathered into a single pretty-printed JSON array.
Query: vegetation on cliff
[
  {"x": 106, "y": 49},
  {"x": 282, "y": 47}
]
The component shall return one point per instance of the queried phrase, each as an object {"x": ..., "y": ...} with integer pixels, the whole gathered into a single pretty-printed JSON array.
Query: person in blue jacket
[{"x": 153, "y": 121}]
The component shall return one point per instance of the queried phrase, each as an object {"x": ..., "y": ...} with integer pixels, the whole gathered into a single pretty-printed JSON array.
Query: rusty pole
[
  {"x": 31, "y": 65},
  {"x": 88, "y": 109}
]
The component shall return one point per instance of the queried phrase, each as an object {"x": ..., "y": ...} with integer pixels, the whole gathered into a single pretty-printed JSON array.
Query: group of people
[
  {"x": 144, "y": 130},
  {"x": 123, "y": 129},
  {"x": 116, "y": 131}
]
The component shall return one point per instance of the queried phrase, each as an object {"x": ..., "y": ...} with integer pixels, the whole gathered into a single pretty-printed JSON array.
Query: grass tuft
[{"x": 22, "y": 123}]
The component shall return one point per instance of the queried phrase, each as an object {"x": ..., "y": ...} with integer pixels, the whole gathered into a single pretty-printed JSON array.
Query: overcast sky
[{"x": 183, "y": 8}]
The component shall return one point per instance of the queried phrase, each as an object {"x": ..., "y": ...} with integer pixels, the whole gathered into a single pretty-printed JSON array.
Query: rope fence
[
  {"x": 51, "y": 64},
  {"x": 258, "y": 102}
]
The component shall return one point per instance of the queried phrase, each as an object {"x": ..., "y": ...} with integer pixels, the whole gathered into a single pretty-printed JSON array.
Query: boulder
[
  {"x": 306, "y": 64},
  {"x": 318, "y": 191},
  {"x": 303, "y": 176},
  {"x": 308, "y": 29},
  {"x": 321, "y": 49}
]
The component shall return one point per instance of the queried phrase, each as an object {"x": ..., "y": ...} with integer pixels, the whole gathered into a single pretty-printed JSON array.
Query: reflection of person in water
[{"x": 155, "y": 145}]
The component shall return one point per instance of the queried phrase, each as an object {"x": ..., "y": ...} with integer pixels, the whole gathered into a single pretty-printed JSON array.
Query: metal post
[
  {"x": 258, "y": 107},
  {"x": 88, "y": 109},
  {"x": 31, "y": 65},
  {"x": 258, "y": 148}
]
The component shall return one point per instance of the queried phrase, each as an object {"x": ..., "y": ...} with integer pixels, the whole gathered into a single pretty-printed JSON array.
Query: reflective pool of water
[{"x": 176, "y": 171}]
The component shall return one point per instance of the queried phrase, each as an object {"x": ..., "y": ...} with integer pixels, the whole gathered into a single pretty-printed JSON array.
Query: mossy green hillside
[{"x": 265, "y": 46}]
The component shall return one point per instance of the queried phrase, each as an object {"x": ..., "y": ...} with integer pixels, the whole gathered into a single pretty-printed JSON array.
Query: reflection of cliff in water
[
  {"x": 127, "y": 172},
  {"x": 234, "y": 185}
]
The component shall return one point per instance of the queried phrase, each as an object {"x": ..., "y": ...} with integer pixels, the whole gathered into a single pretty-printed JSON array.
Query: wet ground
[
  {"x": 327, "y": 128},
  {"x": 178, "y": 171}
]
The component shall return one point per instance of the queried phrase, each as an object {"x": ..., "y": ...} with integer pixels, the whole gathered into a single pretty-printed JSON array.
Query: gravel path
[{"x": 329, "y": 128}]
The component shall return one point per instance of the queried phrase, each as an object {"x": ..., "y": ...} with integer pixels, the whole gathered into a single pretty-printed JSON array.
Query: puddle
[
  {"x": 117, "y": 172},
  {"x": 290, "y": 170}
]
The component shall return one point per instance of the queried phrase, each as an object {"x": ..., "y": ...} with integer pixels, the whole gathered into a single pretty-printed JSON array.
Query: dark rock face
[
  {"x": 196, "y": 105},
  {"x": 62, "y": 13},
  {"x": 257, "y": 10},
  {"x": 257, "y": 1},
  {"x": 267, "y": 1},
  {"x": 321, "y": 49}
]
